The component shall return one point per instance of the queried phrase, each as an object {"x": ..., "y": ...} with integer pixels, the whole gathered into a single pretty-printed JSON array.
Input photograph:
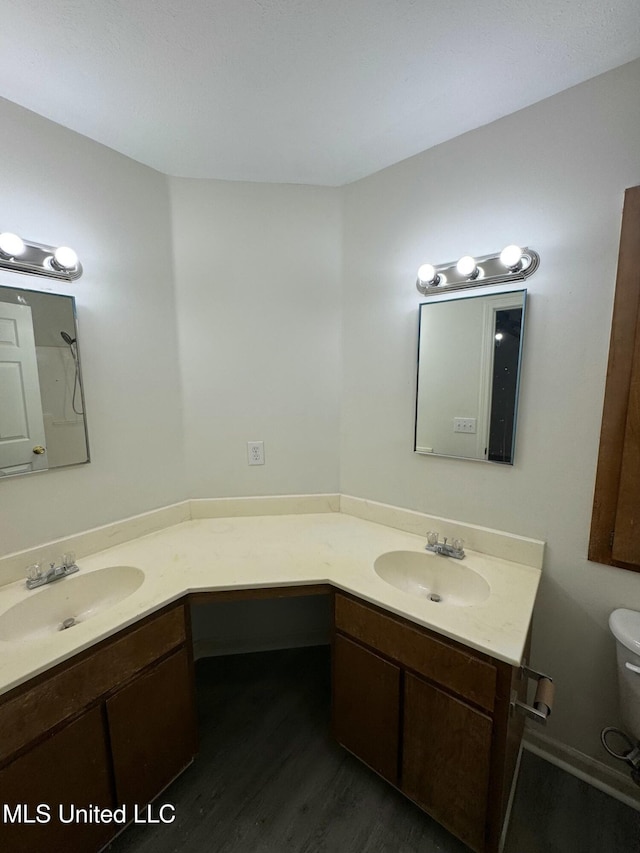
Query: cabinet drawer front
[
  {"x": 25, "y": 717},
  {"x": 464, "y": 674}
]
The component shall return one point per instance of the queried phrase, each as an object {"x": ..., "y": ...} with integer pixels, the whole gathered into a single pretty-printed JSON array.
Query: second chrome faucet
[
  {"x": 455, "y": 549},
  {"x": 36, "y": 576}
]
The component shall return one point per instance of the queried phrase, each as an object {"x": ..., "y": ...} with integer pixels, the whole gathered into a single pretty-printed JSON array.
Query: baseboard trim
[{"x": 615, "y": 783}]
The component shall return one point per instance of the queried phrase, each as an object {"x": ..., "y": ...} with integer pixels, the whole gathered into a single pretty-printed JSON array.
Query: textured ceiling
[{"x": 302, "y": 91}]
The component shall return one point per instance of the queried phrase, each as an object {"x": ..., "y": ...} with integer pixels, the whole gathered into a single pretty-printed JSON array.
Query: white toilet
[{"x": 625, "y": 627}]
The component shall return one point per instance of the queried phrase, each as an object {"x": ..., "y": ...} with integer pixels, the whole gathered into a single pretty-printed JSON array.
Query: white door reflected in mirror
[{"x": 22, "y": 436}]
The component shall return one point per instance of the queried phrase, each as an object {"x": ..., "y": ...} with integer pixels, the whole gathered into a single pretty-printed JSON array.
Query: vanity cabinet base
[
  {"x": 446, "y": 759},
  {"x": 152, "y": 738},
  {"x": 108, "y": 729},
  {"x": 439, "y": 713},
  {"x": 361, "y": 676},
  {"x": 43, "y": 788}
]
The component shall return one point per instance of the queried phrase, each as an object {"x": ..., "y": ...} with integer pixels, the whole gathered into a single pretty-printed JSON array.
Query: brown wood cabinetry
[
  {"x": 70, "y": 769},
  {"x": 151, "y": 729},
  {"x": 110, "y": 728},
  {"x": 429, "y": 715},
  {"x": 446, "y": 759},
  {"x": 363, "y": 679},
  {"x": 615, "y": 519}
]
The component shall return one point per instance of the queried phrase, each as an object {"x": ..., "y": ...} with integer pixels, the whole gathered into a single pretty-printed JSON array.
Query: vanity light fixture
[
  {"x": 511, "y": 257},
  {"x": 468, "y": 267},
  {"x": 511, "y": 264},
  {"x": 64, "y": 258},
  {"x": 37, "y": 259},
  {"x": 427, "y": 275},
  {"x": 11, "y": 246}
]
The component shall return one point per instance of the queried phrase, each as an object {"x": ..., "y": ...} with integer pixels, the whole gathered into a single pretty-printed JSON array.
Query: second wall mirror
[{"x": 469, "y": 360}]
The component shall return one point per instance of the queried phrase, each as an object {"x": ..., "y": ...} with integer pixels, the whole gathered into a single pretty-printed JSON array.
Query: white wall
[
  {"x": 257, "y": 283},
  {"x": 235, "y": 627},
  {"x": 60, "y": 188},
  {"x": 552, "y": 177}
]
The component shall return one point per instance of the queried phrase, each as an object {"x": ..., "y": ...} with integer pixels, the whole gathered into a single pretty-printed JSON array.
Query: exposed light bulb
[
  {"x": 427, "y": 274},
  {"x": 499, "y": 336},
  {"x": 11, "y": 245},
  {"x": 511, "y": 257},
  {"x": 65, "y": 258},
  {"x": 467, "y": 267}
]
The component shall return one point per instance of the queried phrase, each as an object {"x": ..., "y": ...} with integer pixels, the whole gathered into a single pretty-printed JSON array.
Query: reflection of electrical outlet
[
  {"x": 255, "y": 452},
  {"x": 464, "y": 424}
]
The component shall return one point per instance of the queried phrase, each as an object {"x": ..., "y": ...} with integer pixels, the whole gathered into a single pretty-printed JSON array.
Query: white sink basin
[
  {"x": 74, "y": 599},
  {"x": 424, "y": 575}
]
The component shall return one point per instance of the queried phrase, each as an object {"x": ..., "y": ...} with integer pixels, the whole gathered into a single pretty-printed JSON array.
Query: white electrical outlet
[
  {"x": 255, "y": 452},
  {"x": 464, "y": 424}
]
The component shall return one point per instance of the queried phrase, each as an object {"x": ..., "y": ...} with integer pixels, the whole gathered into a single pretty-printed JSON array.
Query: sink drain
[
  {"x": 435, "y": 597},
  {"x": 68, "y": 623}
]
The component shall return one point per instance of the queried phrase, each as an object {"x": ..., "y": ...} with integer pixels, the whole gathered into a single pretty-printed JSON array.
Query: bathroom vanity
[
  {"x": 429, "y": 716},
  {"x": 102, "y": 714},
  {"x": 110, "y": 728}
]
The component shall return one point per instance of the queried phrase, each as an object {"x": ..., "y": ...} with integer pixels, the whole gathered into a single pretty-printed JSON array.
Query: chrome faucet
[
  {"x": 454, "y": 550},
  {"x": 37, "y": 577}
]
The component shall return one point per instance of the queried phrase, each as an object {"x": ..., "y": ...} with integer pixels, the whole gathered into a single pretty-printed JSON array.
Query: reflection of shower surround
[
  {"x": 64, "y": 428},
  {"x": 76, "y": 401}
]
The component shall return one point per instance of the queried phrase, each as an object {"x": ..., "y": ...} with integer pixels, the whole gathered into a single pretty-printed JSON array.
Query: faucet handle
[
  {"x": 34, "y": 571},
  {"x": 432, "y": 537},
  {"x": 69, "y": 559}
]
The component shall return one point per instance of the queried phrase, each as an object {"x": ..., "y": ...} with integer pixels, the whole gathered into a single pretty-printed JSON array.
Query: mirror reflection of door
[
  {"x": 22, "y": 436},
  {"x": 504, "y": 384}
]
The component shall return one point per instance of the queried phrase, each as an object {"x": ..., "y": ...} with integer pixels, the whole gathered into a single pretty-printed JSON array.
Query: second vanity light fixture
[
  {"x": 512, "y": 264},
  {"x": 37, "y": 259}
]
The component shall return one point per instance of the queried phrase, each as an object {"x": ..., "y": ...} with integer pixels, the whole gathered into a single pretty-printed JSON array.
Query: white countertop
[{"x": 252, "y": 552}]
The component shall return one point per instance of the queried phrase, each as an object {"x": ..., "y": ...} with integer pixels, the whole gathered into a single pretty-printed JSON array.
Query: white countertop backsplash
[{"x": 310, "y": 543}]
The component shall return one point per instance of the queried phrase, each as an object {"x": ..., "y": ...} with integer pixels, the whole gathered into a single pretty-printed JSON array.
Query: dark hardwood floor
[{"x": 269, "y": 779}]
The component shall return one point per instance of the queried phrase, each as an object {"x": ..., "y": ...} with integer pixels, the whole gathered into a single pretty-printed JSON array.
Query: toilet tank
[{"x": 625, "y": 627}]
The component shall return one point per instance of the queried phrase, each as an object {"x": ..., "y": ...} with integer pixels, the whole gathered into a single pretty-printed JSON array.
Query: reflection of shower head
[{"x": 73, "y": 349}]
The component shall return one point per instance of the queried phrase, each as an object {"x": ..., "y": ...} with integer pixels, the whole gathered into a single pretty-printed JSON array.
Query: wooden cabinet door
[
  {"x": 626, "y": 542},
  {"x": 366, "y": 703},
  {"x": 152, "y": 724},
  {"x": 446, "y": 759},
  {"x": 615, "y": 519},
  {"x": 69, "y": 769}
]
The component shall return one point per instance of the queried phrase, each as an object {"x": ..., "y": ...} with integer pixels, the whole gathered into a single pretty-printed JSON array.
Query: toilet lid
[{"x": 625, "y": 627}]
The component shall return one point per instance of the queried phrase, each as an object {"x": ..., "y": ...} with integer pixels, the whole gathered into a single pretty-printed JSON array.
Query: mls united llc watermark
[{"x": 45, "y": 813}]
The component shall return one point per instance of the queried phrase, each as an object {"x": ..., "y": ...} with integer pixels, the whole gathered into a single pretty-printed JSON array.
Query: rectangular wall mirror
[
  {"x": 42, "y": 412},
  {"x": 469, "y": 359}
]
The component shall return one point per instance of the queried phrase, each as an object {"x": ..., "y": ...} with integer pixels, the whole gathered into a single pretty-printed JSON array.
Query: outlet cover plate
[
  {"x": 255, "y": 452},
  {"x": 465, "y": 425}
]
